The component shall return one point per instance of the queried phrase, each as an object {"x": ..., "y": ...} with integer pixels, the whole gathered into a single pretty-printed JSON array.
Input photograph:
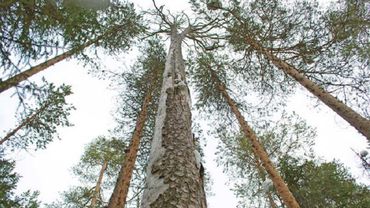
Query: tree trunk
[
  {"x": 352, "y": 117},
  {"x": 119, "y": 195},
  {"x": 94, "y": 198},
  {"x": 22, "y": 76},
  {"x": 16, "y": 79},
  {"x": 174, "y": 174},
  {"x": 262, "y": 175},
  {"x": 28, "y": 120},
  {"x": 257, "y": 148}
]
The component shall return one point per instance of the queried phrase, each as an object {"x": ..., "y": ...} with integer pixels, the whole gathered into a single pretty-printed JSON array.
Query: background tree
[
  {"x": 8, "y": 184},
  {"x": 97, "y": 171},
  {"x": 288, "y": 135},
  {"x": 39, "y": 125},
  {"x": 323, "y": 184},
  {"x": 55, "y": 27},
  {"x": 270, "y": 33},
  {"x": 175, "y": 96},
  {"x": 277, "y": 39},
  {"x": 138, "y": 104},
  {"x": 209, "y": 67}
]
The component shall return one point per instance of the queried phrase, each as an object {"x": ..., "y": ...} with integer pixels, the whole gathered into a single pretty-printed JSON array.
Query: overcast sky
[{"x": 49, "y": 170}]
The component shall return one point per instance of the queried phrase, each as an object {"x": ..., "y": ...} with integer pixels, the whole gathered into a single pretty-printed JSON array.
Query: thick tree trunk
[
  {"x": 174, "y": 174},
  {"x": 94, "y": 198},
  {"x": 257, "y": 149},
  {"x": 26, "y": 121},
  {"x": 352, "y": 117},
  {"x": 119, "y": 195}
]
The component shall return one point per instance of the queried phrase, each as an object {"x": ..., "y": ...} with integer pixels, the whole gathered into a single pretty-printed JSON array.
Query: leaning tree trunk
[
  {"x": 25, "y": 122},
  {"x": 352, "y": 117},
  {"x": 16, "y": 79},
  {"x": 119, "y": 195},
  {"x": 262, "y": 175},
  {"x": 94, "y": 198},
  {"x": 257, "y": 148},
  {"x": 174, "y": 174}
]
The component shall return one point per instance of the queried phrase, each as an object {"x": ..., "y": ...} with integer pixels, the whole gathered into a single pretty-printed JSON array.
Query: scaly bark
[
  {"x": 257, "y": 148},
  {"x": 174, "y": 174},
  {"x": 119, "y": 195},
  {"x": 26, "y": 121},
  {"x": 94, "y": 198},
  {"x": 352, "y": 117},
  {"x": 22, "y": 76}
]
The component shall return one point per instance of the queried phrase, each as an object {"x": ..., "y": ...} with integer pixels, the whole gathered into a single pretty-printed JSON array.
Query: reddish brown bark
[
  {"x": 352, "y": 117},
  {"x": 16, "y": 79},
  {"x": 119, "y": 195},
  {"x": 258, "y": 149},
  {"x": 263, "y": 177},
  {"x": 94, "y": 198}
]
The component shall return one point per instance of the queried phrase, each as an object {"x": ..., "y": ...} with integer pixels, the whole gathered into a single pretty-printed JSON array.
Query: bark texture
[
  {"x": 119, "y": 195},
  {"x": 258, "y": 149},
  {"x": 94, "y": 198},
  {"x": 262, "y": 175},
  {"x": 174, "y": 174},
  {"x": 352, "y": 117},
  {"x": 16, "y": 79}
]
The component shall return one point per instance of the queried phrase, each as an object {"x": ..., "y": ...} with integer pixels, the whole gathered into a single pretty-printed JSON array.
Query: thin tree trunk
[
  {"x": 257, "y": 148},
  {"x": 22, "y": 76},
  {"x": 119, "y": 195},
  {"x": 271, "y": 200},
  {"x": 262, "y": 175},
  {"x": 174, "y": 174},
  {"x": 15, "y": 80},
  {"x": 94, "y": 198},
  {"x": 28, "y": 120},
  {"x": 352, "y": 117}
]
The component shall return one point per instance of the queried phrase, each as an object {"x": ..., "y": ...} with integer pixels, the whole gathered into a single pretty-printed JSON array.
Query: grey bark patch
[{"x": 173, "y": 174}]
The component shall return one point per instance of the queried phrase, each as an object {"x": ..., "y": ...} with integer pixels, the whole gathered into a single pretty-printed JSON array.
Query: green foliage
[
  {"x": 76, "y": 197},
  {"x": 26, "y": 27},
  {"x": 201, "y": 67},
  {"x": 8, "y": 184},
  {"x": 288, "y": 135},
  {"x": 329, "y": 47},
  {"x": 33, "y": 31},
  {"x": 99, "y": 151},
  {"x": 89, "y": 4},
  {"x": 38, "y": 125},
  {"x": 349, "y": 24},
  {"x": 253, "y": 95},
  {"x": 144, "y": 76},
  {"x": 325, "y": 184},
  {"x": 96, "y": 153},
  {"x": 289, "y": 144}
]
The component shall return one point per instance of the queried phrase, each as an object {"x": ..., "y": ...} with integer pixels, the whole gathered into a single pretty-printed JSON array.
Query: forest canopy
[{"x": 185, "y": 82}]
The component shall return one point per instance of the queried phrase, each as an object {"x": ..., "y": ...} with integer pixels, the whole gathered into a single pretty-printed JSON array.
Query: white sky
[{"x": 49, "y": 170}]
